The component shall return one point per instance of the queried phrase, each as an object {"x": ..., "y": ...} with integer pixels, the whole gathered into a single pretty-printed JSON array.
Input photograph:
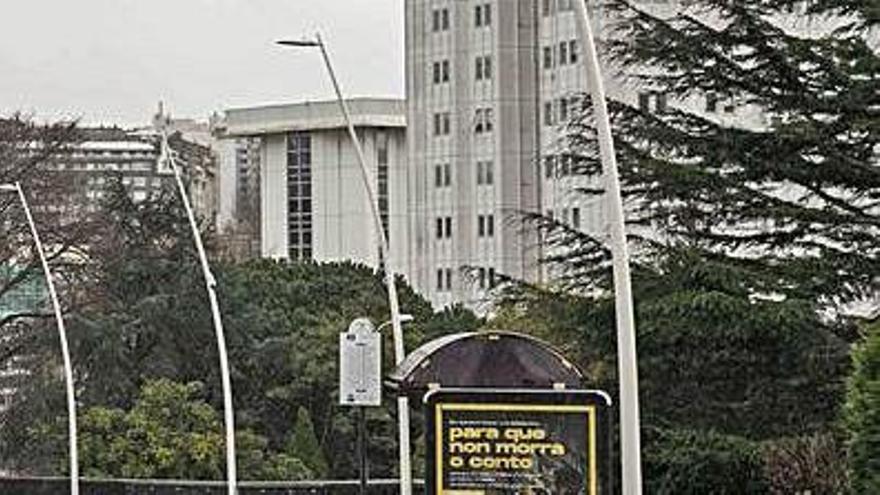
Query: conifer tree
[
  {"x": 305, "y": 446},
  {"x": 766, "y": 158}
]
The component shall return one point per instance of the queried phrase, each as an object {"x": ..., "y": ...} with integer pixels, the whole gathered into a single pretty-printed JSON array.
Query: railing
[{"x": 60, "y": 486}]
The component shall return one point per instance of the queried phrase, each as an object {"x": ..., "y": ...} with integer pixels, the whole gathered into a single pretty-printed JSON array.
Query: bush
[
  {"x": 683, "y": 462},
  {"x": 810, "y": 464}
]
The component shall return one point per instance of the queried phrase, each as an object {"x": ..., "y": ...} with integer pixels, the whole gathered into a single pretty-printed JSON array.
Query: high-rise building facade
[{"x": 490, "y": 84}]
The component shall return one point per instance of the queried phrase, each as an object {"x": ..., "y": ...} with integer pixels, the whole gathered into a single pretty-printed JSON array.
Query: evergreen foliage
[
  {"x": 862, "y": 415},
  {"x": 150, "y": 320},
  {"x": 787, "y": 196},
  {"x": 304, "y": 444},
  {"x": 687, "y": 462}
]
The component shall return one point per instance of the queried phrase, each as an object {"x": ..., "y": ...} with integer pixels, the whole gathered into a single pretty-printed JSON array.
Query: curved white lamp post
[
  {"x": 385, "y": 254},
  {"x": 62, "y": 334},
  {"x": 626, "y": 334},
  {"x": 210, "y": 285}
]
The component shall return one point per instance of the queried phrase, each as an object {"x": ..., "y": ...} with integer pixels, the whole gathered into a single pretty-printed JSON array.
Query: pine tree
[
  {"x": 790, "y": 197},
  {"x": 304, "y": 444}
]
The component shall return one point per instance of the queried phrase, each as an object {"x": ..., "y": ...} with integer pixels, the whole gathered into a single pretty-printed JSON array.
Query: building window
[
  {"x": 440, "y": 20},
  {"x": 645, "y": 102},
  {"x": 481, "y": 277},
  {"x": 549, "y": 166},
  {"x": 443, "y": 227},
  {"x": 299, "y": 196},
  {"x": 483, "y": 120},
  {"x": 441, "y": 71},
  {"x": 563, "y": 53},
  {"x": 485, "y": 225},
  {"x": 711, "y": 102},
  {"x": 483, "y": 15},
  {"x": 563, "y": 110},
  {"x": 548, "y": 113},
  {"x": 491, "y": 276},
  {"x": 382, "y": 180},
  {"x": 548, "y": 7},
  {"x": 449, "y": 279},
  {"x": 661, "y": 104},
  {"x": 441, "y": 124},
  {"x": 576, "y": 217},
  {"x": 436, "y": 73},
  {"x": 483, "y": 67},
  {"x": 438, "y": 176},
  {"x": 548, "y": 57},
  {"x": 485, "y": 173},
  {"x": 442, "y": 175},
  {"x": 440, "y": 279}
]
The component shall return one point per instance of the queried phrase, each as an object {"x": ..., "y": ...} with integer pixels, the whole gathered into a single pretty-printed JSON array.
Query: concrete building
[
  {"x": 313, "y": 204},
  {"x": 238, "y": 182},
  {"x": 133, "y": 156},
  {"x": 198, "y": 156},
  {"x": 489, "y": 84}
]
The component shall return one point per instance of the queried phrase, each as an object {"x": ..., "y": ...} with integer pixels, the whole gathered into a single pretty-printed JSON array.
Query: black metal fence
[{"x": 60, "y": 486}]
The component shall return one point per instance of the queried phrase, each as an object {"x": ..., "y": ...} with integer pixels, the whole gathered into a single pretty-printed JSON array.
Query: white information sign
[{"x": 360, "y": 365}]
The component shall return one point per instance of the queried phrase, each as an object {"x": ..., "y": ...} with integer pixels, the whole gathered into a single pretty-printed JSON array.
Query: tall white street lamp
[
  {"x": 211, "y": 286},
  {"x": 631, "y": 463},
  {"x": 385, "y": 255},
  {"x": 62, "y": 335}
]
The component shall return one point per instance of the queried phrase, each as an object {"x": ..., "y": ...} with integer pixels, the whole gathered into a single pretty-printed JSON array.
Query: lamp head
[{"x": 299, "y": 43}]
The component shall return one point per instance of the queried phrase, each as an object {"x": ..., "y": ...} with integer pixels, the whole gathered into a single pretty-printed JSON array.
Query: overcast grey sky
[{"x": 111, "y": 61}]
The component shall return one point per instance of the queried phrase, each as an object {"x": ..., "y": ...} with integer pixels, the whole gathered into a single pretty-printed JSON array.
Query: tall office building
[{"x": 489, "y": 83}]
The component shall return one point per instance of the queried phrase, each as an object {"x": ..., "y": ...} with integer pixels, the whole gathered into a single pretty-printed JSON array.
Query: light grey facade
[
  {"x": 489, "y": 85},
  {"x": 313, "y": 203}
]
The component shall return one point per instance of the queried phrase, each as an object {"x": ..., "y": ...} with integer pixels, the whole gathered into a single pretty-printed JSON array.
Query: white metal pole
[
  {"x": 211, "y": 285},
  {"x": 385, "y": 253},
  {"x": 65, "y": 351},
  {"x": 631, "y": 463}
]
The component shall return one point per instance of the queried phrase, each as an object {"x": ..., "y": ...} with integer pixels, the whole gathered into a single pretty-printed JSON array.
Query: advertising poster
[{"x": 516, "y": 442}]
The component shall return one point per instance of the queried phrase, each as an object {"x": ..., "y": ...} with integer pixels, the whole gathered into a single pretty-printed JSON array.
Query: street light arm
[
  {"x": 62, "y": 334},
  {"x": 385, "y": 257},
  {"x": 626, "y": 333},
  {"x": 303, "y": 43},
  {"x": 210, "y": 286}
]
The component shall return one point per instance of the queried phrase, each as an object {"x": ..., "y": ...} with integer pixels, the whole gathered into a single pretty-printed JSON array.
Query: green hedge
[{"x": 683, "y": 462}]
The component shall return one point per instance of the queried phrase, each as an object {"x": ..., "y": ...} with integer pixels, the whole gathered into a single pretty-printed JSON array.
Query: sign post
[
  {"x": 360, "y": 380},
  {"x": 517, "y": 441}
]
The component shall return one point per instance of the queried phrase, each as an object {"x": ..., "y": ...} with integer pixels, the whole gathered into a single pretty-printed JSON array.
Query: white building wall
[
  {"x": 342, "y": 223},
  {"x": 227, "y": 183},
  {"x": 273, "y": 196}
]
